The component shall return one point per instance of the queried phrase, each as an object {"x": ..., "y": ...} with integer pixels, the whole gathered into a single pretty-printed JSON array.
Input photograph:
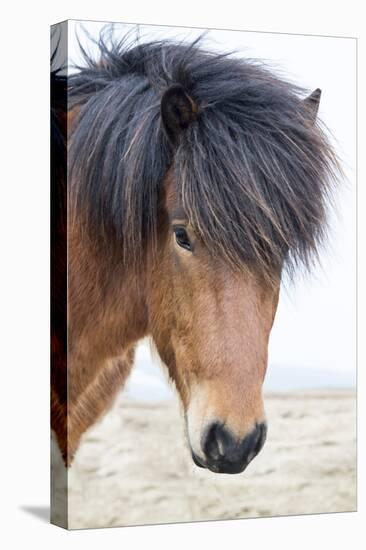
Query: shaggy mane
[{"x": 253, "y": 173}]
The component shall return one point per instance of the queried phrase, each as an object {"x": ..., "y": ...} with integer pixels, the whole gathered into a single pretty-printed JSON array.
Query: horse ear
[
  {"x": 178, "y": 111},
  {"x": 312, "y": 105}
]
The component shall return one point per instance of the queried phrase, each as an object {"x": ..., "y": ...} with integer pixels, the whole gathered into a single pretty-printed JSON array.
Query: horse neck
[{"x": 107, "y": 299}]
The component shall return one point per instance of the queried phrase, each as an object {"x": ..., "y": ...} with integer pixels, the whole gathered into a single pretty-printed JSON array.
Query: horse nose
[{"x": 225, "y": 454}]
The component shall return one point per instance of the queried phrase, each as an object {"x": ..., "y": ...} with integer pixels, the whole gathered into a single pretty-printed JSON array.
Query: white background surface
[{"x": 24, "y": 286}]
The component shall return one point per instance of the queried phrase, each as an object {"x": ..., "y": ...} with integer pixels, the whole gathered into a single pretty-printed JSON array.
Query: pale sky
[{"x": 314, "y": 331}]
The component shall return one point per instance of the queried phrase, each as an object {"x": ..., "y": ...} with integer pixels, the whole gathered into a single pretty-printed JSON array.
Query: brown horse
[{"x": 194, "y": 180}]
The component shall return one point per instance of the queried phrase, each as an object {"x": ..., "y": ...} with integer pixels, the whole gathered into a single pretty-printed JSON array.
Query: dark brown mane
[{"x": 253, "y": 173}]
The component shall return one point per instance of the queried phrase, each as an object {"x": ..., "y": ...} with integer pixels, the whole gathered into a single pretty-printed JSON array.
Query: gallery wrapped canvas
[{"x": 202, "y": 201}]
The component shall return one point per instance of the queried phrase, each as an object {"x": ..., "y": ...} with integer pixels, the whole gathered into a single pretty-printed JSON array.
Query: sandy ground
[{"x": 134, "y": 467}]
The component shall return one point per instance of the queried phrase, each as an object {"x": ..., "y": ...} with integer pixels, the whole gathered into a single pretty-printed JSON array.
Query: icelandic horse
[{"x": 194, "y": 180}]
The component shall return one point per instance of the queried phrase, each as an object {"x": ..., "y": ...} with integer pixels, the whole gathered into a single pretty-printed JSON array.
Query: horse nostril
[
  {"x": 217, "y": 442},
  {"x": 253, "y": 443},
  {"x": 262, "y": 434},
  {"x": 224, "y": 453}
]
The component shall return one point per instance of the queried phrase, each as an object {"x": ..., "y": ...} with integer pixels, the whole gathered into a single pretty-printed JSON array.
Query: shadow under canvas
[{"x": 40, "y": 512}]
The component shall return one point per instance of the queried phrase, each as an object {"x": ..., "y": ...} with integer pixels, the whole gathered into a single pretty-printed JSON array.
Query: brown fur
[{"x": 211, "y": 325}]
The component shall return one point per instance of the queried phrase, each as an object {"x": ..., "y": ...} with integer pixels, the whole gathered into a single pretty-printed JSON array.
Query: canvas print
[{"x": 203, "y": 274}]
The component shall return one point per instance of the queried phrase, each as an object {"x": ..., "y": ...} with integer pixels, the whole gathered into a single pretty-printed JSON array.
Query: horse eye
[{"x": 182, "y": 238}]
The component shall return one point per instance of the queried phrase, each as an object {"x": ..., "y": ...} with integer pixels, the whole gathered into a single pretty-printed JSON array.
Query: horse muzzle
[{"x": 224, "y": 454}]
